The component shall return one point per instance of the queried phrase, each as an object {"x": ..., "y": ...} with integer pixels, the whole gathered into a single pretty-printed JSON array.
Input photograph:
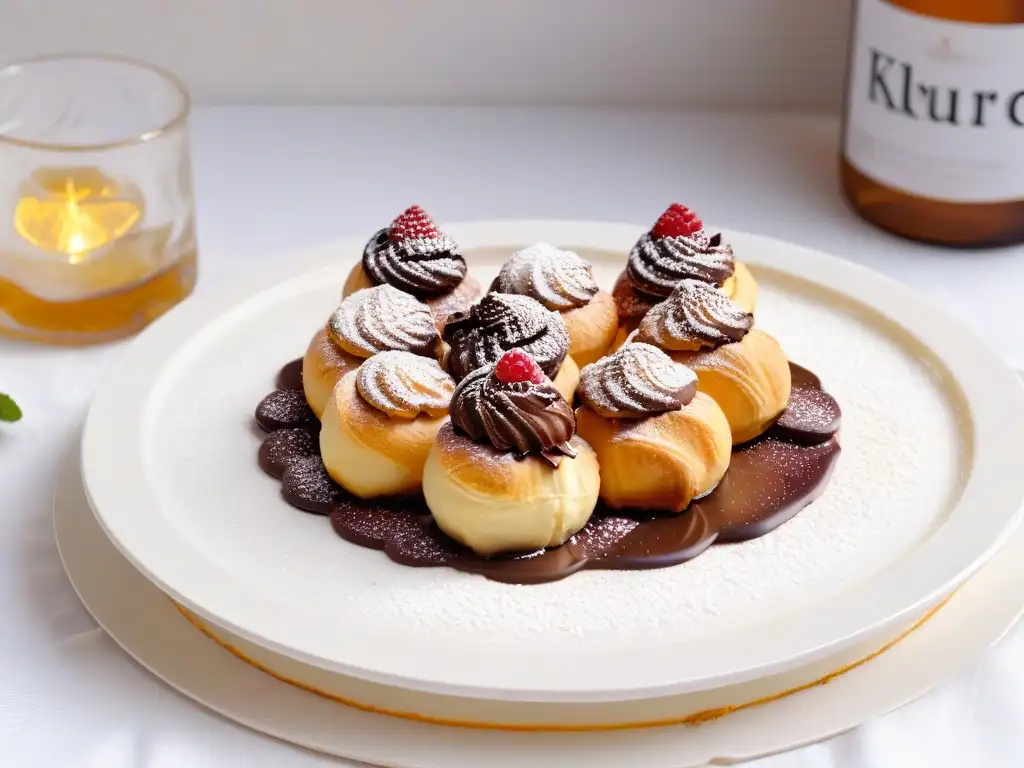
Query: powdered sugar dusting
[
  {"x": 696, "y": 315},
  {"x": 283, "y": 409},
  {"x": 423, "y": 547},
  {"x": 656, "y": 264},
  {"x": 601, "y": 535},
  {"x": 638, "y": 380},
  {"x": 405, "y": 385},
  {"x": 892, "y": 487},
  {"x": 500, "y": 322},
  {"x": 810, "y": 414},
  {"x": 284, "y": 447},
  {"x": 371, "y": 526},
  {"x": 414, "y": 255},
  {"x": 384, "y": 318},
  {"x": 307, "y": 485},
  {"x": 558, "y": 279},
  {"x": 629, "y": 302}
]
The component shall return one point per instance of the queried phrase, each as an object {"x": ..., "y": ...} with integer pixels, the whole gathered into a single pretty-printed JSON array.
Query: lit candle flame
[
  {"x": 74, "y": 212},
  {"x": 73, "y": 225}
]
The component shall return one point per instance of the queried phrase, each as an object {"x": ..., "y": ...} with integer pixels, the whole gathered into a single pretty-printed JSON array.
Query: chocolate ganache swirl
[
  {"x": 413, "y": 255},
  {"x": 499, "y": 322},
  {"x": 560, "y": 280},
  {"x": 656, "y": 264},
  {"x": 637, "y": 381},
  {"x": 695, "y": 316},
  {"x": 516, "y": 416}
]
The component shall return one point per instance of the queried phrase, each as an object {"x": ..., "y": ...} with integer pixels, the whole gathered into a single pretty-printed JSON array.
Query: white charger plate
[
  {"x": 925, "y": 491},
  {"x": 144, "y": 622}
]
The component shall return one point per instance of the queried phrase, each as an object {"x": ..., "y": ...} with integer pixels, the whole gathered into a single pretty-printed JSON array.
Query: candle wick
[{"x": 76, "y": 241}]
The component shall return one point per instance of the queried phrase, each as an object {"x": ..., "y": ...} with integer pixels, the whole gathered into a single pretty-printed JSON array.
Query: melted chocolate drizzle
[{"x": 769, "y": 480}]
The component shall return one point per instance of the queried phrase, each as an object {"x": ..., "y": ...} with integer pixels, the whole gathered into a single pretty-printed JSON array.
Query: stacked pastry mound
[{"x": 516, "y": 415}]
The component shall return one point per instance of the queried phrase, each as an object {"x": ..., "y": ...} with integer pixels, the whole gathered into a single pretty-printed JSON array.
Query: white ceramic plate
[
  {"x": 143, "y": 621},
  {"x": 926, "y": 489}
]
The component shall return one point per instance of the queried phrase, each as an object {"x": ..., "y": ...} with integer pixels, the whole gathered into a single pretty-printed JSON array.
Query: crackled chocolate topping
[
  {"x": 425, "y": 264},
  {"x": 501, "y": 321},
  {"x": 383, "y": 318},
  {"x": 637, "y": 381},
  {"x": 769, "y": 481},
  {"x": 516, "y": 416},
  {"x": 560, "y": 280},
  {"x": 697, "y": 315},
  {"x": 656, "y": 264}
]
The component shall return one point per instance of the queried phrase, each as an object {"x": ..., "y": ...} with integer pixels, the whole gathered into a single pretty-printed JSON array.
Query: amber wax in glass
[{"x": 97, "y": 226}]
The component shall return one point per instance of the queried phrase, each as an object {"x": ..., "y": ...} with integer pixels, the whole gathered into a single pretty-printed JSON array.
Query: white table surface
[{"x": 273, "y": 180}]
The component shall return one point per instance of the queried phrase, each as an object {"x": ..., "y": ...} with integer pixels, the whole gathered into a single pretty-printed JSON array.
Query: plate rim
[
  {"x": 992, "y": 395},
  {"x": 200, "y": 669}
]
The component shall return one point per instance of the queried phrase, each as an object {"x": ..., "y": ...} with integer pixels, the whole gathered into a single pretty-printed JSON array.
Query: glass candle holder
[{"x": 97, "y": 224}]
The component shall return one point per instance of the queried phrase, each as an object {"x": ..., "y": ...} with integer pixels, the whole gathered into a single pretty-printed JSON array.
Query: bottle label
[{"x": 935, "y": 108}]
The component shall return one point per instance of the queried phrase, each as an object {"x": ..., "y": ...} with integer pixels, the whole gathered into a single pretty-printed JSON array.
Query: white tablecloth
[{"x": 272, "y": 180}]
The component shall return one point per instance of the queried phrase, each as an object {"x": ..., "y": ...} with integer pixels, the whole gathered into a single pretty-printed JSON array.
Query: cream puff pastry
[
  {"x": 367, "y": 322},
  {"x": 660, "y": 443},
  {"x": 507, "y": 473},
  {"x": 381, "y": 422},
  {"x": 677, "y": 248},
  {"x": 413, "y": 255},
  {"x": 503, "y": 321},
  {"x": 564, "y": 283},
  {"x": 744, "y": 370}
]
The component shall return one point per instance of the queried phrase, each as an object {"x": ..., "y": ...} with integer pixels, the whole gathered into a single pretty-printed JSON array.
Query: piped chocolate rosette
[
  {"x": 479, "y": 337},
  {"x": 367, "y": 322},
  {"x": 660, "y": 443},
  {"x": 636, "y": 382},
  {"x": 741, "y": 367},
  {"x": 507, "y": 473},
  {"x": 676, "y": 248},
  {"x": 415, "y": 256},
  {"x": 515, "y": 407},
  {"x": 563, "y": 282},
  {"x": 695, "y": 316}
]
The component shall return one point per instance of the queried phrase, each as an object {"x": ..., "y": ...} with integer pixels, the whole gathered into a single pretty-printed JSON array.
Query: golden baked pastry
[
  {"x": 381, "y": 421},
  {"x": 502, "y": 321},
  {"x": 744, "y": 370},
  {"x": 750, "y": 379},
  {"x": 507, "y": 473},
  {"x": 416, "y": 257},
  {"x": 323, "y": 365},
  {"x": 567, "y": 378},
  {"x": 563, "y": 282},
  {"x": 741, "y": 287},
  {"x": 659, "y": 442},
  {"x": 367, "y": 322}
]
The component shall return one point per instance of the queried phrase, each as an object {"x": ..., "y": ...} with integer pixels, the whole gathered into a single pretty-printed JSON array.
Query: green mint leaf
[{"x": 9, "y": 410}]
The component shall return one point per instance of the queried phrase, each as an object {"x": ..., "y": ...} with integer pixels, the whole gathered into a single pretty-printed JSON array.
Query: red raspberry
[
  {"x": 413, "y": 223},
  {"x": 677, "y": 221},
  {"x": 516, "y": 366}
]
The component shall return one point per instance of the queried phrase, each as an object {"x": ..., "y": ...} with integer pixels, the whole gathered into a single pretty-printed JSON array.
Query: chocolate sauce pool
[{"x": 769, "y": 480}]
